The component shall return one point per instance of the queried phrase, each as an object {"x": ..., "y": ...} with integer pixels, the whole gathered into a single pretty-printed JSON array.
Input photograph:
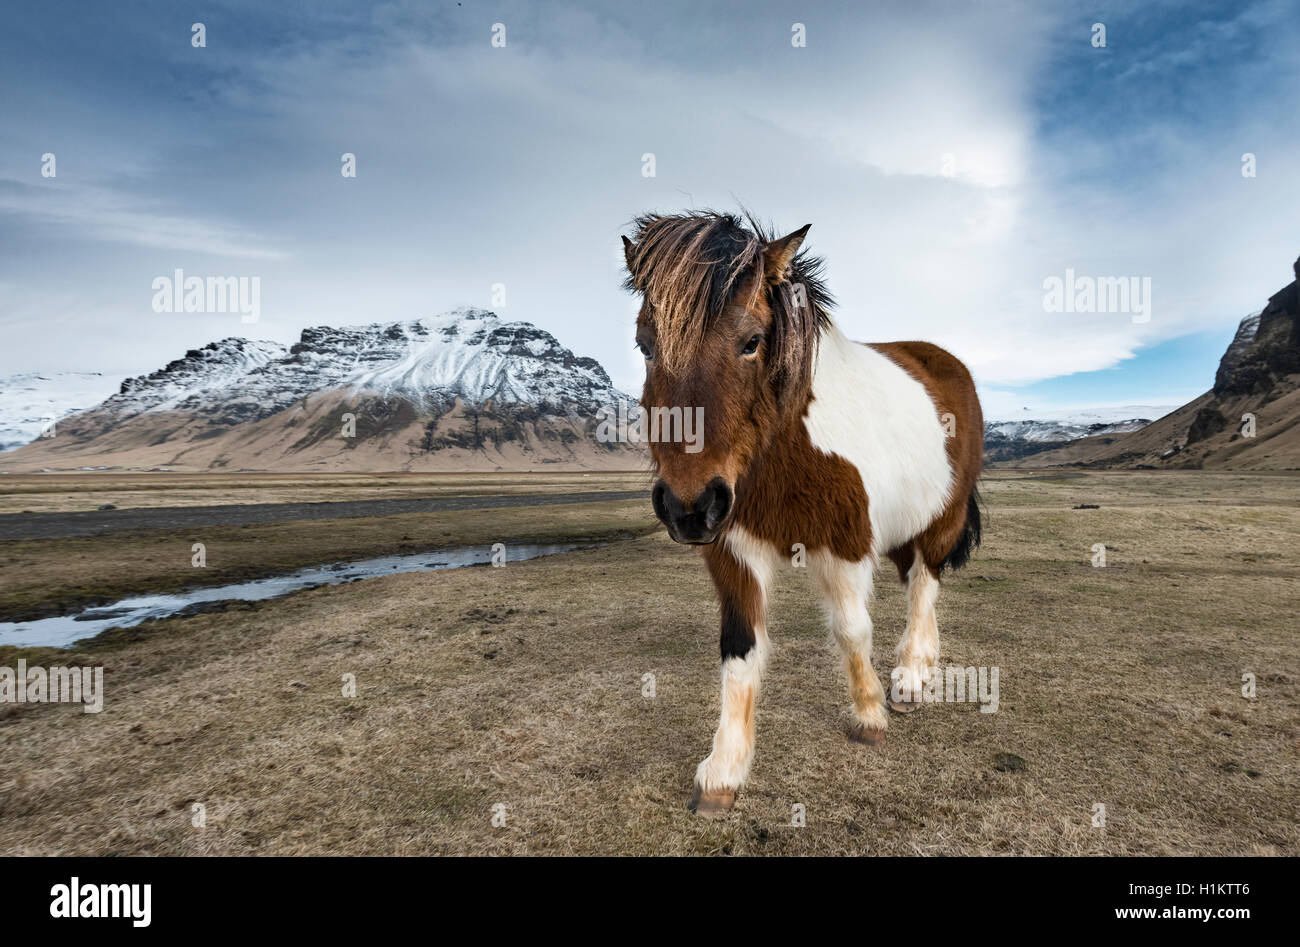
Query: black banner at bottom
[{"x": 142, "y": 897}]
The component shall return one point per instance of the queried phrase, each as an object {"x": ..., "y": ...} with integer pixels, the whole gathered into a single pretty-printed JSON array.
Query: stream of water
[{"x": 129, "y": 612}]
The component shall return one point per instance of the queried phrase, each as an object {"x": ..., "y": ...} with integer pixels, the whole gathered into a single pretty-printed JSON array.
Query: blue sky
[
  {"x": 1167, "y": 373},
  {"x": 951, "y": 156}
]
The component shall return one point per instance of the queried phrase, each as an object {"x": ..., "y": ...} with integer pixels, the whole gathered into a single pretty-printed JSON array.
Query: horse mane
[{"x": 688, "y": 265}]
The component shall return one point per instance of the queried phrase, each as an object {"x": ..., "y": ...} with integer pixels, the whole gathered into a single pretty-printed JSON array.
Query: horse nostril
[
  {"x": 719, "y": 498},
  {"x": 665, "y": 503},
  {"x": 700, "y": 522}
]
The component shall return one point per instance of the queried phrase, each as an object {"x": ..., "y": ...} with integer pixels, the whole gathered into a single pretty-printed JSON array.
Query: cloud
[
  {"x": 519, "y": 165},
  {"x": 101, "y": 213}
]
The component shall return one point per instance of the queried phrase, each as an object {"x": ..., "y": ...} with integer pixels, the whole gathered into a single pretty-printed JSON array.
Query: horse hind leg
[
  {"x": 846, "y": 588},
  {"x": 917, "y": 653}
]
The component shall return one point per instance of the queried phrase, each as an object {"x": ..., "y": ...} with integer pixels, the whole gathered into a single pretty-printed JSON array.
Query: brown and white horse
[{"x": 813, "y": 445}]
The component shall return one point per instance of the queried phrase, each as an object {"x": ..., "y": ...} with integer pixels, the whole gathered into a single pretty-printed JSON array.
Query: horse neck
[{"x": 770, "y": 468}]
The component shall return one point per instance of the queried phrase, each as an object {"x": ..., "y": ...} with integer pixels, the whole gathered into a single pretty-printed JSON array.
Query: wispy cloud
[{"x": 104, "y": 214}]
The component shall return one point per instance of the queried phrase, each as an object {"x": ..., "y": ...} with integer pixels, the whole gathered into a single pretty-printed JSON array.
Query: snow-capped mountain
[
  {"x": 1066, "y": 425},
  {"x": 1043, "y": 430},
  {"x": 202, "y": 378},
  {"x": 461, "y": 390},
  {"x": 468, "y": 354},
  {"x": 28, "y": 401}
]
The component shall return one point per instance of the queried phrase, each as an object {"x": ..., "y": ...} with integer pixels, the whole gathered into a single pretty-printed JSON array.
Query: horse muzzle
[{"x": 699, "y": 524}]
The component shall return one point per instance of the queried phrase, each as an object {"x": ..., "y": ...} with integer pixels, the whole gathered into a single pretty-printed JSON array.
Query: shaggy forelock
[{"x": 687, "y": 266}]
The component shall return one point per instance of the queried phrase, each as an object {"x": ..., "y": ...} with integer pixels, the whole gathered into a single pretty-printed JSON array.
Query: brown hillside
[{"x": 391, "y": 434}]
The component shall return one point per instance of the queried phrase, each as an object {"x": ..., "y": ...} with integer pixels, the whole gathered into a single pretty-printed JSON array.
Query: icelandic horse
[{"x": 855, "y": 451}]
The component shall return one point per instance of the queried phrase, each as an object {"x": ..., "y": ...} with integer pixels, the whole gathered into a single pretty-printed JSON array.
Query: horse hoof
[
  {"x": 903, "y": 706},
  {"x": 712, "y": 805},
  {"x": 870, "y": 736}
]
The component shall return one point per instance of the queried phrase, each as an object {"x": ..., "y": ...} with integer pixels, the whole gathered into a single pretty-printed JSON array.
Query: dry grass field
[
  {"x": 43, "y": 577},
  {"x": 70, "y": 492},
  {"x": 520, "y": 690}
]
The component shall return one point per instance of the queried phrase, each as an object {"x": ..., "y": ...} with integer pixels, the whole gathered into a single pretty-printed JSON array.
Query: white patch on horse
[
  {"x": 727, "y": 765},
  {"x": 755, "y": 554},
  {"x": 846, "y": 592},
  {"x": 917, "y": 652},
  {"x": 869, "y": 411}
]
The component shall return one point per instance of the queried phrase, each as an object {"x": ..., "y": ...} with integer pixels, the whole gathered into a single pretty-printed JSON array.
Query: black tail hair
[{"x": 971, "y": 534}]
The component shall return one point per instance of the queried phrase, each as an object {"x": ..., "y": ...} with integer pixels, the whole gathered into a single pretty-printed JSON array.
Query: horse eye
[
  {"x": 752, "y": 345},
  {"x": 645, "y": 351}
]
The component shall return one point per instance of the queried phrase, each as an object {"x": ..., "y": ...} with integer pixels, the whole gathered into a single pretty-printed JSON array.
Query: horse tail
[{"x": 971, "y": 534}]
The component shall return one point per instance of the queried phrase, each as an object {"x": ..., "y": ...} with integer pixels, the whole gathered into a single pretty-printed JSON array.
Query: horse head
[{"x": 728, "y": 327}]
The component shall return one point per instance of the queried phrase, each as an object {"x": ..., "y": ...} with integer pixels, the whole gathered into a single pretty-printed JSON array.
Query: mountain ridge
[{"x": 462, "y": 390}]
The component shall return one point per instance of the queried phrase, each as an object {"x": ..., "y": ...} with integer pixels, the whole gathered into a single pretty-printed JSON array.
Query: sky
[{"x": 952, "y": 157}]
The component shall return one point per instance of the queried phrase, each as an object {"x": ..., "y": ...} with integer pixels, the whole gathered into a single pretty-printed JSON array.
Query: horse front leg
[{"x": 742, "y": 594}]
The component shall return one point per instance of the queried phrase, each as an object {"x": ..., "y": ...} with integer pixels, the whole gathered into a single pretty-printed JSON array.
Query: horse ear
[
  {"x": 778, "y": 254},
  {"x": 629, "y": 250},
  {"x": 793, "y": 338}
]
